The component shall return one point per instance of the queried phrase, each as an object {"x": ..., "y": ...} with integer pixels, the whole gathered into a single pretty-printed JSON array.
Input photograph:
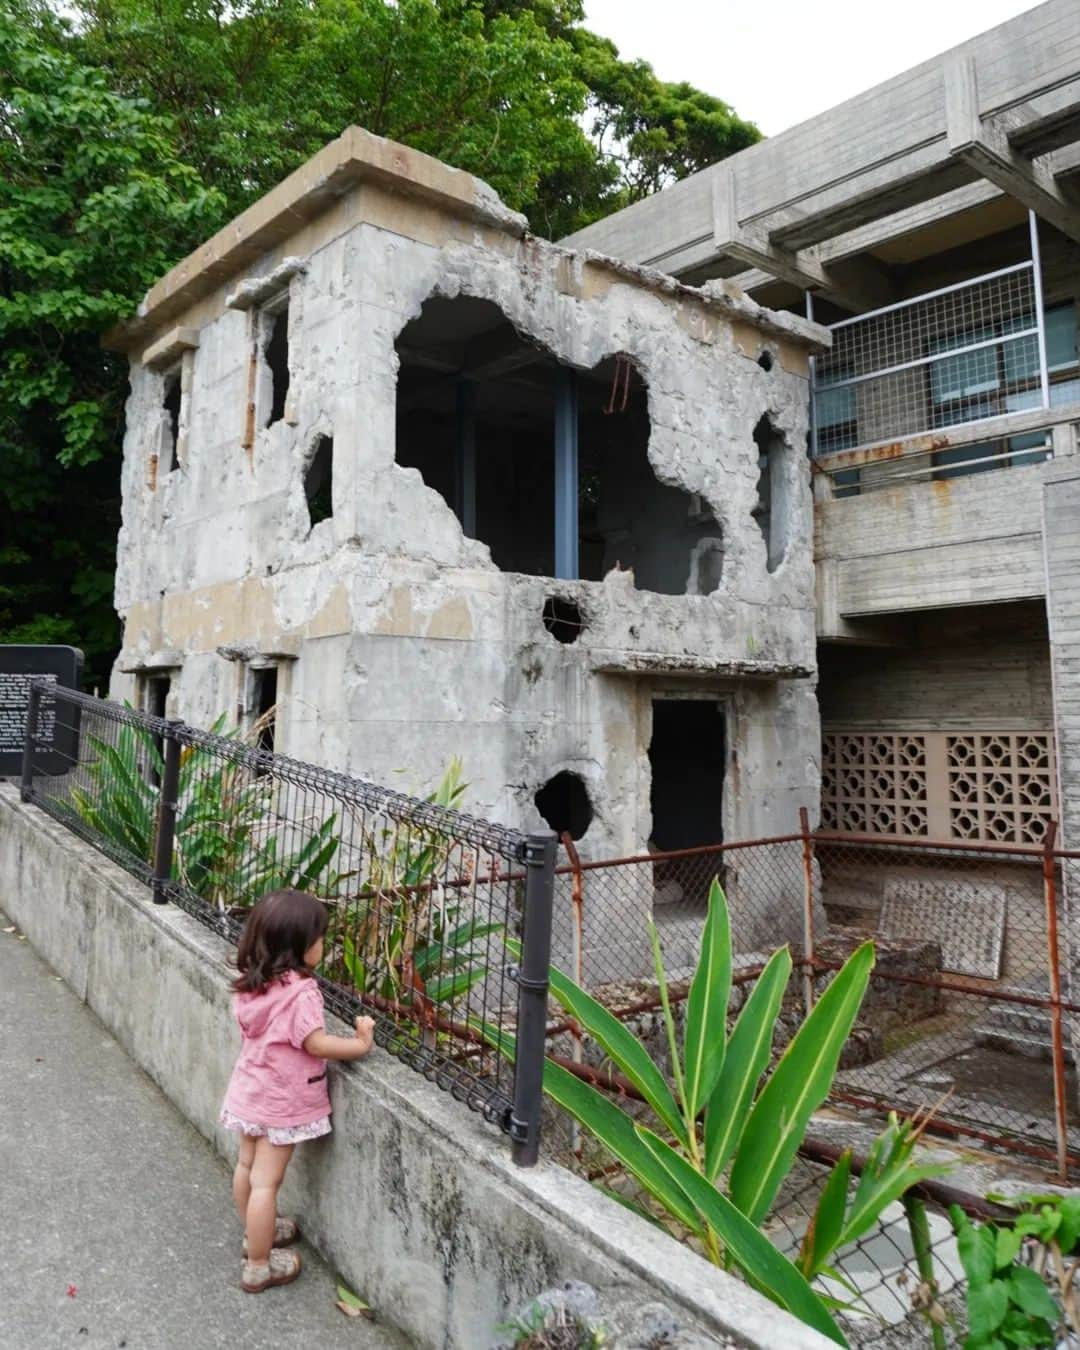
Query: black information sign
[{"x": 58, "y": 744}]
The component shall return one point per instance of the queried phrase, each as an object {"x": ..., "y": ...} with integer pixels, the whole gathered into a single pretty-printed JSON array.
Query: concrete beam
[
  {"x": 983, "y": 144},
  {"x": 751, "y": 246}
]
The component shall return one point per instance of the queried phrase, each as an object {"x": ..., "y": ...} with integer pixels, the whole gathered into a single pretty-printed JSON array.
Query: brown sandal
[
  {"x": 282, "y": 1268},
  {"x": 286, "y": 1232}
]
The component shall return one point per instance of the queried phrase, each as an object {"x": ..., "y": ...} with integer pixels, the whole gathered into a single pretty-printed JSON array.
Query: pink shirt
[{"x": 275, "y": 1081}]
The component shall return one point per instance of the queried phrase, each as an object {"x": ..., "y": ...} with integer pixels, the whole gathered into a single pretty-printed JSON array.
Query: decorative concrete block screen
[{"x": 990, "y": 787}]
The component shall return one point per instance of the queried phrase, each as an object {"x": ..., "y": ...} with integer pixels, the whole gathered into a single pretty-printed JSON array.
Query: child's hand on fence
[{"x": 365, "y": 1033}]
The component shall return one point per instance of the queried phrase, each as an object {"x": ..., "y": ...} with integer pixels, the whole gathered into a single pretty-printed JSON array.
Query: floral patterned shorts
[{"x": 277, "y": 1134}]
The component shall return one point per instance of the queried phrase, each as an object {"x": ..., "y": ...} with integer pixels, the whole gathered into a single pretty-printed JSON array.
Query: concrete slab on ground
[{"x": 118, "y": 1225}]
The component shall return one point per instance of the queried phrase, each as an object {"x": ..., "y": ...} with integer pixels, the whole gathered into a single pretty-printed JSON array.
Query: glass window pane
[
  {"x": 835, "y": 406},
  {"x": 1061, "y": 337}
]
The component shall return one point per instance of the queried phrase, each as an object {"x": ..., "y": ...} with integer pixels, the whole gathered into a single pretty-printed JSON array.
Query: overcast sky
[{"x": 778, "y": 62}]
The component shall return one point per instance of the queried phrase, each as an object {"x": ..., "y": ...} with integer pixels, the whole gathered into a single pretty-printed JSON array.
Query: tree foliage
[
  {"x": 94, "y": 205},
  {"x": 132, "y": 129}
]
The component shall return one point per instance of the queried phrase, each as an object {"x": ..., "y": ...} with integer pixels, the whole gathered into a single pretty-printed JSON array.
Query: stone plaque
[
  {"x": 18, "y": 666},
  {"x": 968, "y": 919}
]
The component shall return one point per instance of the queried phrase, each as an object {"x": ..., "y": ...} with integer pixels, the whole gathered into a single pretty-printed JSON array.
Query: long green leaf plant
[{"x": 725, "y": 1133}]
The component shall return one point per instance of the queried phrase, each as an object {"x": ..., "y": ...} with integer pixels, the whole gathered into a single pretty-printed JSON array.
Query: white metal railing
[{"x": 958, "y": 355}]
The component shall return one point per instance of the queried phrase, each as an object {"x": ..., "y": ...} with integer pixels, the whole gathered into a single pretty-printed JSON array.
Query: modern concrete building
[
  {"x": 934, "y": 224},
  {"x": 434, "y": 487}
]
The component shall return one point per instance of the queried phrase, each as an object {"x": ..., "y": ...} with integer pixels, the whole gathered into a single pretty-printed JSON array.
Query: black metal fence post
[
  {"x": 167, "y": 794},
  {"x": 532, "y": 981},
  {"x": 33, "y": 711}
]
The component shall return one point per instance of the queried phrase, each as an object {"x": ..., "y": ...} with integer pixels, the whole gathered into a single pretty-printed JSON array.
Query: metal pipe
[
  {"x": 946, "y": 355},
  {"x": 166, "y": 829},
  {"x": 1004, "y": 1141},
  {"x": 465, "y": 456},
  {"x": 1057, "y": 1044},
  {"x": 1040, "y": 312},
  {"x": 33, "y": 710},
  {"x": 813, "y": 383},
  {"x": 937, "y": 1192},
  {"x": 808, "y": 910},
  {"x": 532, "y": 981},
  {"x": 956, "y": 987},
  {"x": 577, "y": 900},
  {"x": 886, "y": 480},
  {"x": 566, "y": 474}
]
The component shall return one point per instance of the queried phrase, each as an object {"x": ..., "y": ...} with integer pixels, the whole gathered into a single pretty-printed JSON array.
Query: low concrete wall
[{"x": 412, "y": 1198}]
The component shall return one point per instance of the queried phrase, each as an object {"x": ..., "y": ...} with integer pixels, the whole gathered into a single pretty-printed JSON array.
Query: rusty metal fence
[{"x": 972, "y": 1007}]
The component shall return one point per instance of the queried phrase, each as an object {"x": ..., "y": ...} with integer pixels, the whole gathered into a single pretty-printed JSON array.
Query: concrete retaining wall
[{"x": 412, "y": 1198}]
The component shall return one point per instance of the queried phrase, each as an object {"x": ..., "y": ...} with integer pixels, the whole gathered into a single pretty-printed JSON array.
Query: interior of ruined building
[{"x": 477, "y": 416}]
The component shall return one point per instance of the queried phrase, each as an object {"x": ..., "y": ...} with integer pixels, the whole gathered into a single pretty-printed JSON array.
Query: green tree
[{"x": 94, "y": 205}]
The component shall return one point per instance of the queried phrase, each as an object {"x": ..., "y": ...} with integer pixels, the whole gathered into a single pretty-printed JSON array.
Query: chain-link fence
[
  {"x": 421, "y": 897},
  {"x": 967, "y": 1014},
  {"x": 969, "y": 1005}
]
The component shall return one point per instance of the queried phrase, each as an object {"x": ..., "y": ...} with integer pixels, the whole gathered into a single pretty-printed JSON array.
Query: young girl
[{"x": 277, "y": 1095}]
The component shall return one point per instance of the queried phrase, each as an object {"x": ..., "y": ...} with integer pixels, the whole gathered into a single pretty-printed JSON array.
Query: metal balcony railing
[{"x": 967, "y": 353}]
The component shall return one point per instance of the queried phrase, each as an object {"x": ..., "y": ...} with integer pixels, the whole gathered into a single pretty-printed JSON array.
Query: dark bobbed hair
[{"x": 281, "y": 927}]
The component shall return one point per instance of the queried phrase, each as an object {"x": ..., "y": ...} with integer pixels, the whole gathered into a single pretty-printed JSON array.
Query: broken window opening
[
  {"x": 503, "y": 432},
  {"x": 171, "y": 404},
  {"x": 765, "y": 360},
  {"x": 276, "y": 356},
  {"x": 563, "y": 618},
  {"x": 155, "y": 694},
  {"x": 564, "y": 804},
  {"x": 687, "y": 759},
  {"x": 264, "y": 697},
  {"x": 774, "y": 506},
  {"x": 152, "y": 696},
  {"x": 319, "y": 481}
]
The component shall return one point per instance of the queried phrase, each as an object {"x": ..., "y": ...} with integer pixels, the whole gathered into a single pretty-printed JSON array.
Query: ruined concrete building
[{"x": 433, "y": 487}]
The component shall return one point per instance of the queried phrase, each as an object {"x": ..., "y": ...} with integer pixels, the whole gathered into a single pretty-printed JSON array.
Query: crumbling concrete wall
[{"x": 400, "y": 642}]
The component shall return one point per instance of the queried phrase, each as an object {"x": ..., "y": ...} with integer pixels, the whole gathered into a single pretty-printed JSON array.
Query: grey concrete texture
[
  {"x": 412, "y": 1198},
  {"x": 118, "y": 1221}
]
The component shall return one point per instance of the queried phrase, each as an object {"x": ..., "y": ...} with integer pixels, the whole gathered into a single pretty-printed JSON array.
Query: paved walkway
[{"x": 117, "y": 1224}]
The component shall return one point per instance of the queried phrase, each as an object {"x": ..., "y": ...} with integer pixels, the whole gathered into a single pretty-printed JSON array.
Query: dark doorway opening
[
  {"x": 687, "y": 756},
  {"x": 564, "y": 803}
]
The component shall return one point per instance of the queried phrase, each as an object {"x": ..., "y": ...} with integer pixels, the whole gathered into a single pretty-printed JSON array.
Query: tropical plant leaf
[
  {"x": 609, "y": 1124},
  {"x": 705, "y": 1037},
  {"x": 744, "y": 1242},
  {"x": 796, "y": 1088},
  {"x": 618, "y": 1042},
  {"x": 827, "y": 1222},
  {"x": 744, "y": 1063}
]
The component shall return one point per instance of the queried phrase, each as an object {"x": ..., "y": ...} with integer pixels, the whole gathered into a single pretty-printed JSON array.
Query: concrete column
[
  {"x": 566, "y": 474},
  {"x": 465, "y": 457},
  {"x": 1061, "y": 545}
]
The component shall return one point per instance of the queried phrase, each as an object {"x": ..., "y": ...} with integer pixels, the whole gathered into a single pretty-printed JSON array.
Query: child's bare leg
[
  {"x": 241, "y": 1181},
  {"x": 267, "y": 1173}
]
